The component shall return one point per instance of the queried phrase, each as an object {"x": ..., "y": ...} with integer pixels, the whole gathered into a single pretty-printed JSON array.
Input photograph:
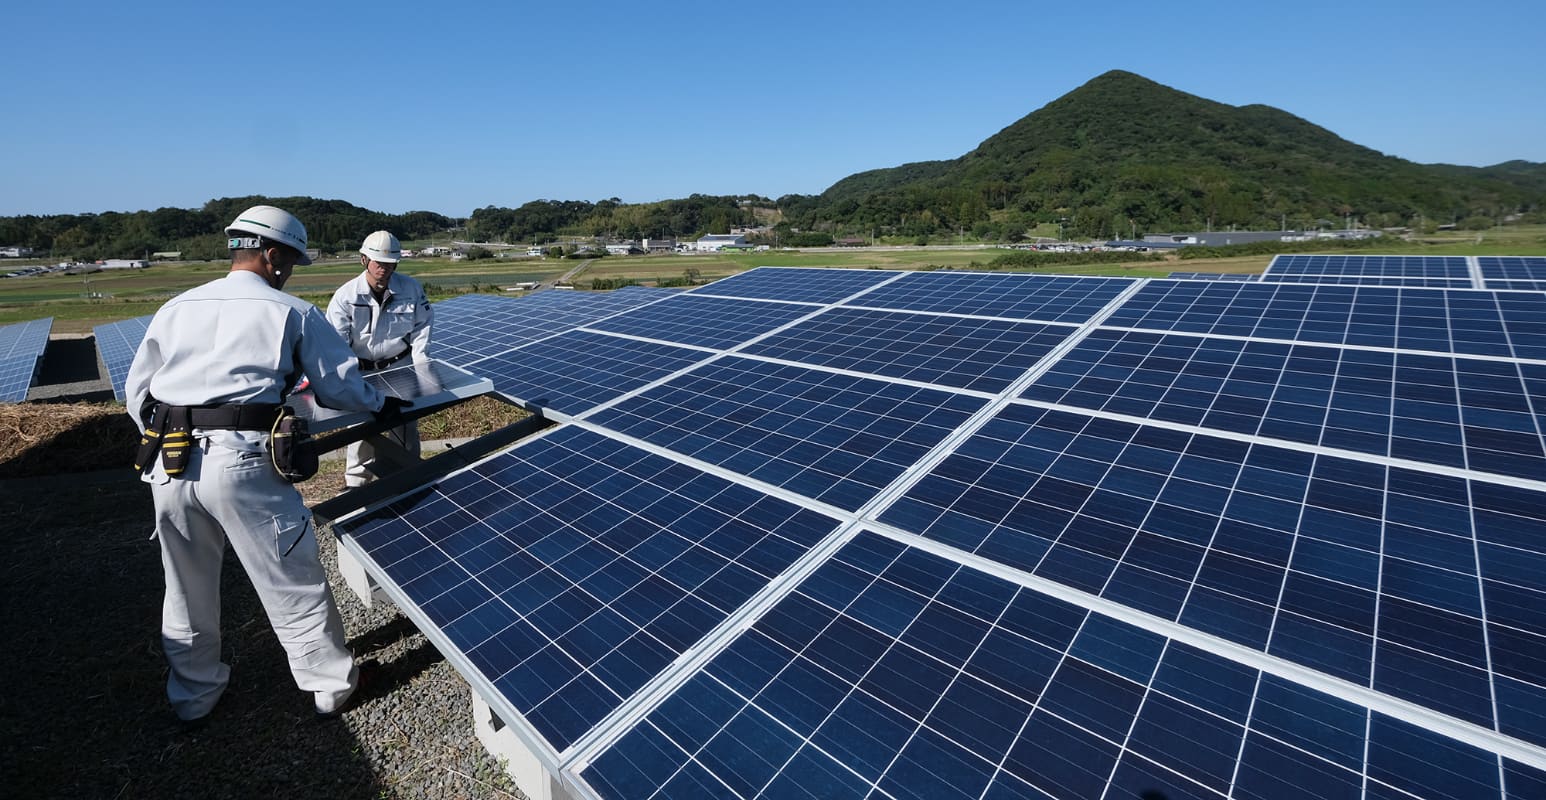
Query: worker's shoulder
[{"x": 232, "y": 289}]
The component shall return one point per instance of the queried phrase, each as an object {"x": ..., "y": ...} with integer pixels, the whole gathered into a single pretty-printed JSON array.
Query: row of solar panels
[
  {"x": 118, "y": 341},
  {"x": 838, "y": 533},
  {"x": 21, "y": 354},
  {"x": 1449, "y": 272}
]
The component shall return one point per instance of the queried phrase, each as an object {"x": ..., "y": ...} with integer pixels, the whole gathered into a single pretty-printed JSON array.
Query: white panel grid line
[{"x": 1474, "y": 266}]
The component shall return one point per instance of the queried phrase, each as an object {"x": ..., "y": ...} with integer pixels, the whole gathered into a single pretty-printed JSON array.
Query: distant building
[
  {"x": 167, "y": 255},
  {"x": 658, "y": 245},
  {"x": 851, "y": 241},
  {"x": 15, "y": 252},
  {"x": 1219, "y": 238},
  {"x": 623, "y": 248},
  {"x": 534, "y": 250},
  {"x": 123, "y": 263},
  {"x": 716, "y": 242}
]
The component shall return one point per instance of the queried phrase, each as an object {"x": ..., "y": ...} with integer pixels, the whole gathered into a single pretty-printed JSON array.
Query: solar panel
[
  {"x": 426, "y": 384},
  {"x": 1058, "y": 536},
  {"x": 572, "y": 372},
  {"x": 894, "y": 672},
  {"x": 703, "y": 321},
  {"x": 977, "y": 353},
  {"x": 21, "y": 347},
  {"x": 1507, "y": 324},
  {"x": 568, "y": 595},
  {"x": 1513, "y": 272},
  {"x": 1388, "y": 578},
  {"x": 1007, "y": 295},
  {"x": 832, "y": 437},
  {"x": 796, "y": 284},
  {"x": 472, "y": 327},
  {"x": 117, "y": 343},
  {"x": 1450, "y": 272},
  {"x": 1214, "y": 276},
  {"x": 1456, "y": 412}
]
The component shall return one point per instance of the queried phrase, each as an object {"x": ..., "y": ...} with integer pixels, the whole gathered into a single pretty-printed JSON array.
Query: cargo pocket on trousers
[{"x": 289, "y": 533}]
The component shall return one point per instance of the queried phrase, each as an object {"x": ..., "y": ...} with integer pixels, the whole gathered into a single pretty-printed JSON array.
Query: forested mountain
[
  {"x": 1123, "y": 152},
  {"x": 331, "y": 225},
  {"x": 1120, "y": 155}
]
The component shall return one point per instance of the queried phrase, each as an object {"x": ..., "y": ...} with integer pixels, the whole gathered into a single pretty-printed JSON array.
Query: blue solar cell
[
  {"x": 1426, "y": 764},
  {"x": 1025, "y": 297},
  {"x": 117, "y": 342},
  {"x": 967, "y": 353}
]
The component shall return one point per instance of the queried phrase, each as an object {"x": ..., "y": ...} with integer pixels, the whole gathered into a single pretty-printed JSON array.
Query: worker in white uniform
[
  {"x": 385, "y": 317},
  {"x": 225, "y": 354}
]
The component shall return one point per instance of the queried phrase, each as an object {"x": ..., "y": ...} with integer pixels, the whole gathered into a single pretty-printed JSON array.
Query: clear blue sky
[{"x": 431, "y": 106}]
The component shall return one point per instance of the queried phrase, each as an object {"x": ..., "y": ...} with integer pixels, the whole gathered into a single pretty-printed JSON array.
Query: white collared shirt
[
  {"x": 381, "y": 330},
  {"x": 238, "y": 340}
]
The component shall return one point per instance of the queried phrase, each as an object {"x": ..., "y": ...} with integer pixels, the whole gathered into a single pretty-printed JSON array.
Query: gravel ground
[{"x": 85, "y": 714}]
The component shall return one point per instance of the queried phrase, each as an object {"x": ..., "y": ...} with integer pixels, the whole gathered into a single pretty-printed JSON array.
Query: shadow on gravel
[{"x": 84, "y": 703}]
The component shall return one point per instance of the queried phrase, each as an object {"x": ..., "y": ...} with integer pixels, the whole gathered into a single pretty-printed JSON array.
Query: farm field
[{"x": 79, "y": 302}]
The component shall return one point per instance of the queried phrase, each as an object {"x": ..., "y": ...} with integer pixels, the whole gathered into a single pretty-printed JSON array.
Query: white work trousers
[
  {"x": 381, "y": 455},
  {"x": 232, "y": 495}
]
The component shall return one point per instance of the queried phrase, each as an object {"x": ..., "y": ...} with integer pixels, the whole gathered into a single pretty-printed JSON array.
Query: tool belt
[
  {"x": 169, "y": 433},
  {"x": 371, "y": 366}
]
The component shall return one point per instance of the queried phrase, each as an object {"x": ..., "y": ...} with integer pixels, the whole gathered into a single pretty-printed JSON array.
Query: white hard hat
[
  {"x": 382, "y": 246},
  {"x": 274, "y": 224}
]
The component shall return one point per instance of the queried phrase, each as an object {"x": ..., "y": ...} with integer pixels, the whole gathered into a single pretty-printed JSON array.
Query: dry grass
[
  {"x": 475, "y": 417},
  {"x": 54, "y": 438}
]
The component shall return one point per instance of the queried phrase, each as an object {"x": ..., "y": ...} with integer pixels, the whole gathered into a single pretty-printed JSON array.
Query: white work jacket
[
  {"x": 238, "y": 340},
  {"x": 377, "y": 331}
]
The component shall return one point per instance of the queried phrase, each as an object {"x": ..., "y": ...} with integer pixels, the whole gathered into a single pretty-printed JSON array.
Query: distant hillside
[
  {"x": 332, "y": 225},
  {"x": 1123, "y": 152}
]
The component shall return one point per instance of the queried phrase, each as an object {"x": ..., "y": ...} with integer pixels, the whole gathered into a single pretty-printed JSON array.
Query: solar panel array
[
  {"x": 858, "y": 533},
  {"x": 21, "y": 348},
  {"x": 1215, "y": 276},
  {"x": 117, "y": 343},
  {"x": 1513, "y": 272},
  {"x": 1452, "y": 272}
]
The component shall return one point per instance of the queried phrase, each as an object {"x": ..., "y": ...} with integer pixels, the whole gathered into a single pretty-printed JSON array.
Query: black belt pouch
[{"x": 291, "y": 449}]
